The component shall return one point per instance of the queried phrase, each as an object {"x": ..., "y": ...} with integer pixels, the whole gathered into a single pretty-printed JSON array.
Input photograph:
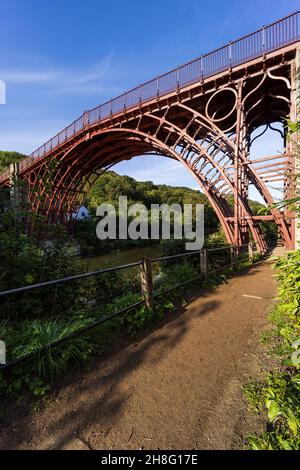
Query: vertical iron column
[
  {"x": 294, "y": 145},
  {"x": 244, "y": 227},
  {"x": 237, "y": 166}
]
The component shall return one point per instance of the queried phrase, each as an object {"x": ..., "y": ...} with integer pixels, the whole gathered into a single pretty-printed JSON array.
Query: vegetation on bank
[
  {"x": 111, "y": 185},
  {"x": 279, "y": 393},
  {"x": 26, "y": 334},
  {"x": 7, "y": 157},
  {"x": 30, "y": 321}
]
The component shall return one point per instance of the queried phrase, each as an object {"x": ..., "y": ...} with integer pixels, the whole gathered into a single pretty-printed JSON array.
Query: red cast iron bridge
[{"x": 202, "y": 114}]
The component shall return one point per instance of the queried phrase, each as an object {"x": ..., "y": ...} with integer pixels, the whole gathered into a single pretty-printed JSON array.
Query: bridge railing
[
  {"x": 208, "y": 262},
  {"x": 267, "y": 39}
]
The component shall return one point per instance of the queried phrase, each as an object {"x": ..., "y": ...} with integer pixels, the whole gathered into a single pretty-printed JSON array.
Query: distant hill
[{"x": 110, "y": 186}]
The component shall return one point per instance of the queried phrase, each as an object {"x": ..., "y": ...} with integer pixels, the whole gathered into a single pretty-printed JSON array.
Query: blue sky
[{"x": 59, "y": 58}]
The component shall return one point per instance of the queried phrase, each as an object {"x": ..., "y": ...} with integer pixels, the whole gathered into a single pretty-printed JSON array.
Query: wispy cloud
[
  {"x": 155, "y": 168},
  {"x": 31, "y": 76},
  {"x": 160, "y": 170},
  {"x": 29, "y": 138},
  {"x": 57, "y": 80}
]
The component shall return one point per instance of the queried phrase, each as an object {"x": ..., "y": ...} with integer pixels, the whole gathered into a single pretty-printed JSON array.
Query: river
[{"x": 121, "y": 257}]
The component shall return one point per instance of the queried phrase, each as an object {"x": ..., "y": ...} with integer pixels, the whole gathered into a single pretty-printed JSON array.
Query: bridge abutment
[{"x": 16, "y": 192}]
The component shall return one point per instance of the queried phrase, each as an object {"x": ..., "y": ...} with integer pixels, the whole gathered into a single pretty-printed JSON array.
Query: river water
[{"x": 121, "y": 257}]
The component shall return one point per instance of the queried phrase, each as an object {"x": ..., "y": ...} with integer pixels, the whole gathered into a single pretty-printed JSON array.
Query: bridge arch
[
  {"x": 176, "y": 131},
  {"x": 202, "y": 154},
  {"x": 79, "y": 168}
]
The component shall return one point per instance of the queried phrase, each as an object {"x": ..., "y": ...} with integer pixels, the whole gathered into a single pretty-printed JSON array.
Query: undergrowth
[
  {"x": 26, "y": 336},
  {"x": 279, "y": 394}
]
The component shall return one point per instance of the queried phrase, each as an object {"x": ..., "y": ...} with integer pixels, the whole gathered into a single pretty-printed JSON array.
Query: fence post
[
  {"x": 250, "y": 252},
  {"x": 2, "y": 353},
  {"x": 233, "y": 257},
  {"x": 237, "y": 254},
  {"x": 204, "y": 262},
  {"x": 146, "y": 282}
]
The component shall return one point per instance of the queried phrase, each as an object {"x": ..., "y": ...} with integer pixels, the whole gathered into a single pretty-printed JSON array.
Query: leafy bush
[
  {"x": 170, "y": 276},
  {"x": 7, "y": 157},
  {"x": 172, "y": 247},
  {"x": 279, "y": 394},
  {"x": 36, "y": 334}
]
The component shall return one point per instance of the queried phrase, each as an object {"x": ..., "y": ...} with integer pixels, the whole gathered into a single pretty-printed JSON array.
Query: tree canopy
[
  {"x": 110, "y": 186},
  {"x": 7, "y": 157}
]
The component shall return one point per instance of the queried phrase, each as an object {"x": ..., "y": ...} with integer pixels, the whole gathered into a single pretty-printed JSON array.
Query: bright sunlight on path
[{"x": 179, "y": 387}]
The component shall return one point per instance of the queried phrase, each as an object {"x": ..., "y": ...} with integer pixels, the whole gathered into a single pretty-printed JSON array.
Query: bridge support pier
[
  {"x": 241, "y": 227},
  {"x": 15, "y": 189},
  {"x": 237, "y": 167}
]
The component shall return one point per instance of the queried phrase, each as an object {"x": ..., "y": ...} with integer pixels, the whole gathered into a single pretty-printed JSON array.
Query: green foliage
[
  {"x": 37, "y": 334},
  {"x": 8, "y": 157},
  {"x": 273, "y": 441},
  {"x": 172, "y": 247},
  {"x": 216, "y": 279},
  {"x": 293, "y": 127},
  {"x": 253, "y": 394},
  {"x": 110, "y": 186},
  {"x": 171, "y": 275},
  {"x": 143, "y": 317},
  {"x": 279, "y": 394}
]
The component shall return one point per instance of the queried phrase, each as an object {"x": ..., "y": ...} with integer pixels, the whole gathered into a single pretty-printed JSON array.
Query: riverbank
[
  {"x": 177, "y": 386},
  {"x": 118, "y": 257}
]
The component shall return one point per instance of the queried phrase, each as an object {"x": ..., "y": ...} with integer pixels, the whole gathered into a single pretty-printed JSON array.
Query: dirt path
[{"x": 179, "y": 387}]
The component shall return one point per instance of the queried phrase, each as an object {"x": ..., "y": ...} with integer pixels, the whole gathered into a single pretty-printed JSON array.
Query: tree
[{"x": 7, "y": 157}]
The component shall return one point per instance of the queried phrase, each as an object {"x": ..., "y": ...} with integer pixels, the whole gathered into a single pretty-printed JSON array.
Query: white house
[{"x": 81, "y": 213}]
